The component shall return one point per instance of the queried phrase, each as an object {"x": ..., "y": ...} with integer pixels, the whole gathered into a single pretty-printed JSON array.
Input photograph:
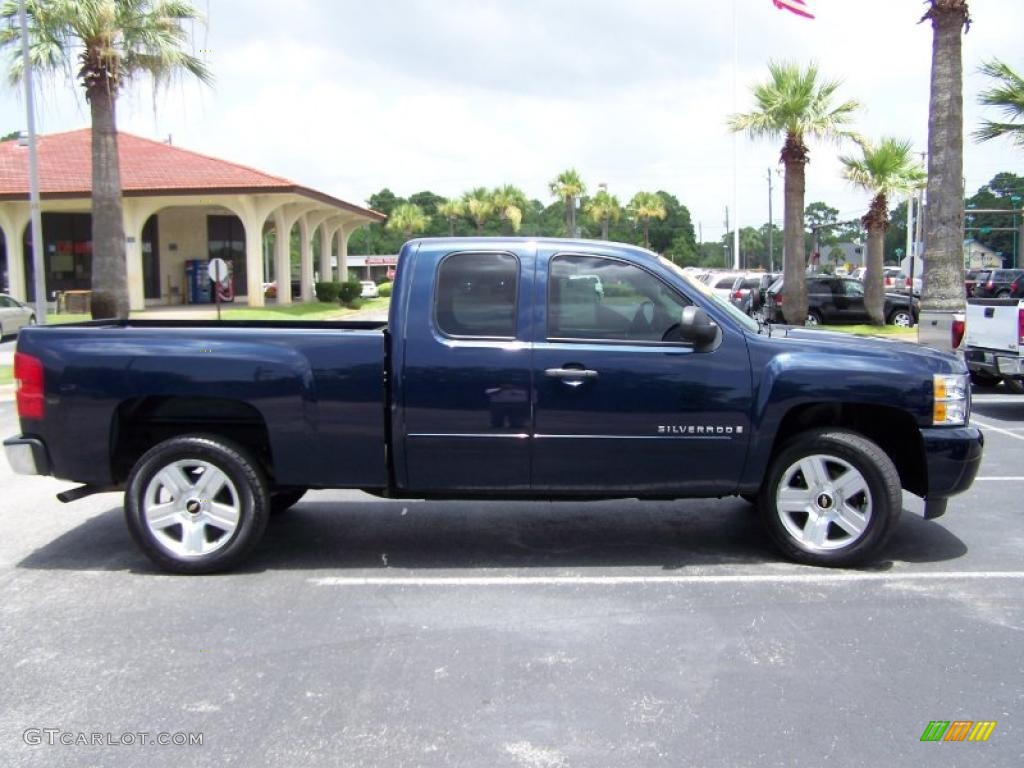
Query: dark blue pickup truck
[{"x": 511, "y": 369}]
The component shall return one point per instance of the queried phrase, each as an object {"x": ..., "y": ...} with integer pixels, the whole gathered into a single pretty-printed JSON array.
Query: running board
[{"x": 65, "y": 497}]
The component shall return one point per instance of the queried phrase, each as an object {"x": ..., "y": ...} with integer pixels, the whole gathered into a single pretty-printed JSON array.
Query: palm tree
[
  {"x": 793, "y": 104},
  {"x": 107, "y": 42},
  {"x": 451, "y": 210},
  {"x": 510, "y": 202},
  {"x": 1008, "y": 94},
  {"x": 883, "y": 170},
  {"x": 568, "y": 186},
  {"x": 408, "y": 218},
  {"x": 479, "y": 206},
  {"x": 646, "y": 206},
  {"x": 602, "y": 209},
  {"x": 943, "y": 278}
]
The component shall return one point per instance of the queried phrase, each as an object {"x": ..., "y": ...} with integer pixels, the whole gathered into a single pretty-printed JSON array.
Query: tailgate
[{"x": 995, "y": 324}]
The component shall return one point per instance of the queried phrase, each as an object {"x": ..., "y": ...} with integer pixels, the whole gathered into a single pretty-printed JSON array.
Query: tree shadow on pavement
[{"x": 373, "y": 534}]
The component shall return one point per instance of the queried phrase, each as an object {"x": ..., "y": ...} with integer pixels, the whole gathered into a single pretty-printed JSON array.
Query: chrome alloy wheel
[
  {"x": 823, "y": 502},
  {"x": 191, "y": 507}
]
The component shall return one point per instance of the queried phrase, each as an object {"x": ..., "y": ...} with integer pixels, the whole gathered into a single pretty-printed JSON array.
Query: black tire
[
  {"x": 813, "y": 318},
  {"x": 1004, "y": 294},
  {"x": 902, "y": 318},
  {"x": 1014, "y": 386},
  {"x": 982, "y": 379},
  {"x": 283, "y": 499},
  {"x": 245, "y": 488},
  {"x": 881, "y": 493}
]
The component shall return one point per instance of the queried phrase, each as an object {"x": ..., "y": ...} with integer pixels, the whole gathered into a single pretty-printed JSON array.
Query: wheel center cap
[
  {"x": 824, "y": 501},
  {"x": 193, "y": 506}
]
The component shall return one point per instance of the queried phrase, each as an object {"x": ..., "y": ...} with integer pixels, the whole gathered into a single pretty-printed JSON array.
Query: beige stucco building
[{"x": 179, "y": 207}]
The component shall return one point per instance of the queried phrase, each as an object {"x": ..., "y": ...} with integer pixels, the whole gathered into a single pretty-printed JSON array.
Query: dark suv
[
  {"x": 996, "y": 283},
  {"x": 840, "y": 300}
]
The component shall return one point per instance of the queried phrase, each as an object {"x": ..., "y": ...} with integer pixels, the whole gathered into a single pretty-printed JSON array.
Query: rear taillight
[
  {"x": 28, "y": 376},
  {"x": 958, "y": 331},
  {"x": 777, "y": 298},
  {"x": 737, "y": 295},
  {"x": 1020, "y": 327}
]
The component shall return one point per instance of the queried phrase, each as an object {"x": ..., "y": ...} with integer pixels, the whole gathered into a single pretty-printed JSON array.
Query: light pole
[
  {"x": 38, "y": 275},
  {"x": 1015, "y": 205}
]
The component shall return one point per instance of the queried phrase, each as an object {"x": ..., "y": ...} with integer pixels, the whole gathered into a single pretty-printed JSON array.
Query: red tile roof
[{"x": 147, "y": 168}]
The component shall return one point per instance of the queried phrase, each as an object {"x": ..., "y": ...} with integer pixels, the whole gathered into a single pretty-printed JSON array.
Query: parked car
[
  {"x": 495, "y": 376},
  {"x": 1017, "y": 288},
  {"x": 840, "y": 300},
  {"x": 893, "y": 278},
  {"x": 996, "y": 283},
  {"x": 858, "y": 273},
  {"x": 369, "y": 289},
  {"x": 14, "y": 315},
  {"x": 748, "y": 291}
]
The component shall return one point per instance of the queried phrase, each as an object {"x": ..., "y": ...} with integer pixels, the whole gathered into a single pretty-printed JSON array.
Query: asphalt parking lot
[{"x": 370, "y": 633}]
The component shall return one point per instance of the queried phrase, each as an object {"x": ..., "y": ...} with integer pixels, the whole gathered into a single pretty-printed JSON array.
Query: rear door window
[{"x": 475, "y": 295}]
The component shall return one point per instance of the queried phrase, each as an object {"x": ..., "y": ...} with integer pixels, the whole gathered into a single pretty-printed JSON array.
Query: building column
[
  {"x": 134, "y": 221},
  {"x": 282, "y": 257},
  {"x": 13, "y": 221},
  {"x": 344, "y": 233},
  {"x": 326, "y": 236},
  {"x": 253, "y": 211},
  {"x": 305, "y": 260}
]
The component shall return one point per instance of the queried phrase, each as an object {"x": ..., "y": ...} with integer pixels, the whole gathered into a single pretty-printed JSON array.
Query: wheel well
[
  {"x": 141, "y": 423},
  {"x": 894, "y": 431}
]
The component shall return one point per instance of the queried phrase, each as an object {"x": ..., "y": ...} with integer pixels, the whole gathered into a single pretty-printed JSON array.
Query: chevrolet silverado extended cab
[
  {"x": 502, "y": 373},
  {"x": 994, "y": 342}
]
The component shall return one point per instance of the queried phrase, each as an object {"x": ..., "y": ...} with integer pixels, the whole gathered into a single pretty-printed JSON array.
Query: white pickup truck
[{"x": 994, "y": 342}]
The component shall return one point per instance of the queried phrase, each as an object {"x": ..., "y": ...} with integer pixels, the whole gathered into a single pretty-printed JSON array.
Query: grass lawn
[
  {"x": 311, "y": 311},
  {"x": 890, "y": 331},
  {"x": 6, "y": 374}
]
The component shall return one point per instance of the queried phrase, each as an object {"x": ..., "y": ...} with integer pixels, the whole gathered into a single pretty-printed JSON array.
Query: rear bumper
[
  {"x": 998, "y": 364},
  {"x": 953, "y": 457},
  {"x": 27, "y": 456}
]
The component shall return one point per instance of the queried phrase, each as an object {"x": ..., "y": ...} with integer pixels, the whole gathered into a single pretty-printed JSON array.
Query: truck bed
[{"x": 312, "y": 391}]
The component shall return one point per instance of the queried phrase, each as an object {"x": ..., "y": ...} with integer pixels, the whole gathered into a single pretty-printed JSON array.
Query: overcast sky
[{"x": 349, "y": 97}]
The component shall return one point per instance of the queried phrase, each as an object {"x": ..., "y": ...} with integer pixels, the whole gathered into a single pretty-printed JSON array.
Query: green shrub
[
  {"x": 349, "y": 292},
  {"x": 327, "y": 292},
  {"x": 385, "y": 289}
]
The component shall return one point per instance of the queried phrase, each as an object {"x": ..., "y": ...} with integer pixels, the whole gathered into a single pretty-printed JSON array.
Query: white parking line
[
  {"x": 994, "y": 428},
  {"x": 615, "y": 581},
  {"x": 993, "y": 479}
]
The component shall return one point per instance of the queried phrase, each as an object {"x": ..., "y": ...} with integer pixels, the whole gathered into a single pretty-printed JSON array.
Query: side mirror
[{"x": 698, "y": 329}]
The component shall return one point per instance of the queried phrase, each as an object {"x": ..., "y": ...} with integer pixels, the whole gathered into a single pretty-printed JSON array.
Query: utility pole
[
  {"x": 771, "y": 251},
  {"x": 38, "y": 273},
  {"x": 911, "y": 198}
]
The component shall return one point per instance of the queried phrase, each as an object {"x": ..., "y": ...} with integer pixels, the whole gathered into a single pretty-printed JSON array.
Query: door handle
[{"x": 571, "y": 374}]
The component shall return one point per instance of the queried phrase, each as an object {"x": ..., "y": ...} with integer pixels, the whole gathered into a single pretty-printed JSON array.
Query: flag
[{"x": 799, "y": 7}]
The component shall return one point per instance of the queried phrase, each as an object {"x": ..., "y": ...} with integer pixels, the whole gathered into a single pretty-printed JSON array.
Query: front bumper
[
  {"x": 953, "y": 456},
  {"x": 27, "y": 456}
]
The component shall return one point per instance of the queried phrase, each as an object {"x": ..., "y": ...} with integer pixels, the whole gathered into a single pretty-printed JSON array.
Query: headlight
[{"x": 952, "y": 399}]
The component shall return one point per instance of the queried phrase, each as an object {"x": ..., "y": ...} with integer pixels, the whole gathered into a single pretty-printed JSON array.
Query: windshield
[{"x": 749, "y": 323}]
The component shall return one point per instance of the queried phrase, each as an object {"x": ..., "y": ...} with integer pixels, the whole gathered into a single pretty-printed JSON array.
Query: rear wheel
[
  {"x": 1004, "y": 294},
  {"x": 1016, "y": 386},
  {"x": 196, "y": 504},
  {"x": 831, "y": 498},
  {"x": 813, "y": 317}
]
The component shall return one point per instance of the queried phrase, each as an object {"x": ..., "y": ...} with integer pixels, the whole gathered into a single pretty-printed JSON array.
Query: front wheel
[
  {"x": 832, "y": 498},
  {"x": 196, "y": 504},
  {"x": 901, "y": 318}
]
